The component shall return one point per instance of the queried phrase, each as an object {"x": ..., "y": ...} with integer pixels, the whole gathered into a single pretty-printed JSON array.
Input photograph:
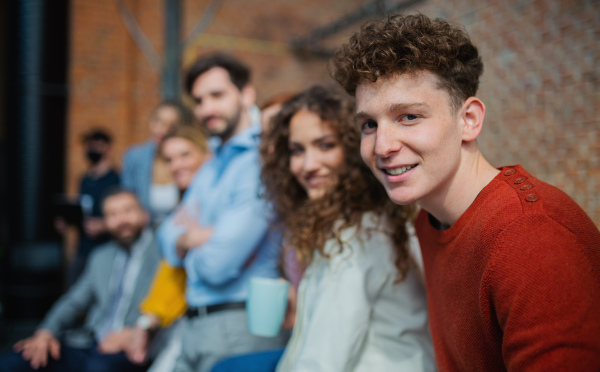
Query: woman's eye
[
  {"x": 327, "y": 146},
  {"x": 295, "y": 151}
]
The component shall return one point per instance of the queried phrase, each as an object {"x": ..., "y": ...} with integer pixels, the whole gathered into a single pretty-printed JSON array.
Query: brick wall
[
  {"x": 541, "y": 86},
  {"x": 541, "y": 83}
]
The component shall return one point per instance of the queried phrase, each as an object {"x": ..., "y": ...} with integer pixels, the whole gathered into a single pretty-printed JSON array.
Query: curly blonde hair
[
  {"x": 409, "y": 44},
  {"x": 307, "y": 224}
]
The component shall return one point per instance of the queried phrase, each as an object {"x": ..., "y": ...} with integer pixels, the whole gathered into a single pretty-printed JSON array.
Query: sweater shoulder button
[
  {"x": 520, "y": 180},
  {"x": 532, "y": 197}
]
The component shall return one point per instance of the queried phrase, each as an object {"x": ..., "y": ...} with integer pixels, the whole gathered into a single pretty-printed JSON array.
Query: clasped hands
[
  {"x": 194, "y": 235},
  {"x": 37, "y": 348}
]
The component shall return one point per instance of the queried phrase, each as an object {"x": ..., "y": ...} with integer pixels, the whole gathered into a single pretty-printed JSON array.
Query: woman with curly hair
[{"x": 361, "y": 301}]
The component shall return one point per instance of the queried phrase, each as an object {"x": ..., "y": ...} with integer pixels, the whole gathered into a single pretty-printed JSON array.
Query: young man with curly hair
[{"x": 512, "y": 264}]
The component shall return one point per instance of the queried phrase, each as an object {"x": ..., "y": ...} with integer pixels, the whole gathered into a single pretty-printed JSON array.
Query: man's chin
[
  {"x": 127, "y": 240},
  {"x": 214, "y": 127},
  {"x": 400, "y": 197}
]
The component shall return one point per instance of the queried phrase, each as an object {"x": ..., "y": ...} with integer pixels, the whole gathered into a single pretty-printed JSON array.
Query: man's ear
[
  {"x": 248, "y": 95},
  {"x": 471, "y": 116}
]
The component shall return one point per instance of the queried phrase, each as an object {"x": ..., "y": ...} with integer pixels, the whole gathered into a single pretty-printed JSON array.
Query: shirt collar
[
  {"x": 140, "y": 244},
  {"x": 248, "y": 138}
]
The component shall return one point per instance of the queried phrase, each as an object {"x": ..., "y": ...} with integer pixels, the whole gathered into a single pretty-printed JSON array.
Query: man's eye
[
  {"x": 411, "y": 117},
  {"x": 369, "y": 126}
]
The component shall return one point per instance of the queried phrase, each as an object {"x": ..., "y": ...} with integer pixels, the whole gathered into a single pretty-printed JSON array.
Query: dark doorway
[{"x": 34, "y": 48}]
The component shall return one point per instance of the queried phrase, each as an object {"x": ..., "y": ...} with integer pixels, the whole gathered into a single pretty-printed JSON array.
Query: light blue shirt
[
  {"x": 136, "y": 174},
  {"x": 224, "y": 195}
]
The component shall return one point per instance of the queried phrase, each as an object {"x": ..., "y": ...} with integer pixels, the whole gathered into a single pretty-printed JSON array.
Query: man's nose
[
  {"x": 387, "y": 141},
  {"x": 206, "y": 109}
]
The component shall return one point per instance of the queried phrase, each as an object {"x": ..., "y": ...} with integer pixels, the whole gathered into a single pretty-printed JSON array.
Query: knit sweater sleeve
[{"x": 543, "y": 286}]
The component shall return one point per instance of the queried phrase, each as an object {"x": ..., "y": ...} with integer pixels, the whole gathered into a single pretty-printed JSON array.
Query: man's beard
[
  {"x": 127, "y": 242},
  {"x": 230, "y": 127}
]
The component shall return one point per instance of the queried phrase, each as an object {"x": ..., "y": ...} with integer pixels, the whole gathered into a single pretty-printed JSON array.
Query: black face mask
[{"x": 94, "y": 156}]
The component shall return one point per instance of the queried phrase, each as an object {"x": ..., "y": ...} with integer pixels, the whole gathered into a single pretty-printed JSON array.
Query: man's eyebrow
[
  {"x": 407, "y": 105},
  {"x": 361, "y": 115},
  {"x": 395, "y": 107}
]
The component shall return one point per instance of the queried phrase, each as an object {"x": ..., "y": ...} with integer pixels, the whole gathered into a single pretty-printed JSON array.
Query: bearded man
[{"x": 115, "y": 280}]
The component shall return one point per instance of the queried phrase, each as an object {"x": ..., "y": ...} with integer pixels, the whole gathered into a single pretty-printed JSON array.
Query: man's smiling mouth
[{"x": 400, "y": 170}]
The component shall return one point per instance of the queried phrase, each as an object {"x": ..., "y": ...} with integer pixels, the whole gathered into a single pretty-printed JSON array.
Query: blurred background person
[
  {"x": 184, "y": 150},
  {"x": 116, "y": 278},
  {"x": 145, "y": 172},
  {"x": 222, "y": 209},
  {"x": 100, "y": 177}
]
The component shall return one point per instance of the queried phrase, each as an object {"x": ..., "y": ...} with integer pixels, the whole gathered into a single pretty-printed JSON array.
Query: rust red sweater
[{"x": 514, "y": 284}]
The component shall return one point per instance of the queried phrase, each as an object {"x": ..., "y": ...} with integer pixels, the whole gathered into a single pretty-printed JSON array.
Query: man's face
[
  {"x": 410, "y": 136},
  {"x": 218, "y": 102},
  {"x": 124, "y": 218}
]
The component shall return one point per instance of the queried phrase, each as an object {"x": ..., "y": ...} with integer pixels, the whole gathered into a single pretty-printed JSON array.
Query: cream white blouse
[{"x": 351, "y": 314}]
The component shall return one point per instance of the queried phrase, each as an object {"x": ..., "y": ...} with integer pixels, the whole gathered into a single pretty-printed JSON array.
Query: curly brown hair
[
  {"x": 404, "y": 44},
  {"x": 307, "y": 224}
]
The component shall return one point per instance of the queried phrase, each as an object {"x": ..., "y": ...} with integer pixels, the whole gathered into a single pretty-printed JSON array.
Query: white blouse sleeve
[{"x": 343, "y": 294}]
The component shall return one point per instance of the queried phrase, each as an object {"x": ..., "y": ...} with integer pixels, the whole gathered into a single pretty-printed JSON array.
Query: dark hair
[
  {"x": 97, "y": 134},
  {"x": 308, "y": 224},
  {"x": 239, "y": 73},
  {"x": 117, "y": 190},
  {"x": 185, "y": 114},
  {"x": 404, "y": 44}
]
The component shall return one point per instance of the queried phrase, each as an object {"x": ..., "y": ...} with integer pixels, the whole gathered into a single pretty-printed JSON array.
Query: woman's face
[
  {"x": 183, "y": 159},
  {"x": 316, "y": 154},
  {"x": 162, "y": 121}
]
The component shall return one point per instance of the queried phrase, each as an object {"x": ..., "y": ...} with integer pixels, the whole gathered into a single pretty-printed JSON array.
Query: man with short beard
[
  {"x": 220, "y": 235},
  {"x": 112, "y": 285}
]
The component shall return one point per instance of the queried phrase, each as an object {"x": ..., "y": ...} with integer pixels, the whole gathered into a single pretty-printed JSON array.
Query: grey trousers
[{"x": 210, "y": 338}]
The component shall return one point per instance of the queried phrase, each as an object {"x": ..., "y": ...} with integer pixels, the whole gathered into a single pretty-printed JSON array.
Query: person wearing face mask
[
  {"x": 145, "y": 172},
  {"x": 100, "y": 177}
]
